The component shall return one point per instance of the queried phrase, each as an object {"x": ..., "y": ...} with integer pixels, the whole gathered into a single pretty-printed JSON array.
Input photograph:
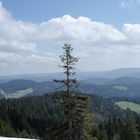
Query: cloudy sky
[{"x": 105, "y": 34}]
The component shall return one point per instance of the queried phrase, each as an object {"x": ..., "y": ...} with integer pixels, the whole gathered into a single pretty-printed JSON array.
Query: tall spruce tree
[
  {"x": 70, "y": 83},
  {"x": 75, "y": 105}
]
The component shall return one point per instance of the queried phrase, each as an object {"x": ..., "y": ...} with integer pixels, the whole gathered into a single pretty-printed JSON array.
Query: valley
[{"x": 36, "y": 104}]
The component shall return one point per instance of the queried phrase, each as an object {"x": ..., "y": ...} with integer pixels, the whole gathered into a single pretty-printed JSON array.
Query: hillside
[
  {"x": 97, "y": 81},
  {"x": 20, "y": 88},
  {"x": 34, "y": 114},
  {"x": 116, "y": 83},
  {"x": 38, "y": 115},
  {"x": 123, "y": 81},
  {"x": 129, "y": 105}
]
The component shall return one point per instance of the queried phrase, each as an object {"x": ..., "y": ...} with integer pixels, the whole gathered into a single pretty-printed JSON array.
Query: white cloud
[
  {"x": 82, "y": 28},
  {"x": 130, "y": 3},
  {"x": 133, "y": 32},
  {"x": 29, "y": 47}
]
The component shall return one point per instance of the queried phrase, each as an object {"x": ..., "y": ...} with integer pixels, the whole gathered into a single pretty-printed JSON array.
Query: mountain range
[
  {"x": 116, "y": 83},
  {"x": 103, "y": 75}
]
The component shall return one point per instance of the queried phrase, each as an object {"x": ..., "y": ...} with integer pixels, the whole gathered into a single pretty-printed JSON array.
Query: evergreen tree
[
  {"x": 131, "y": 126},
  {"x": 70, "y": 83},
  {"x": 75, "y": 105}
]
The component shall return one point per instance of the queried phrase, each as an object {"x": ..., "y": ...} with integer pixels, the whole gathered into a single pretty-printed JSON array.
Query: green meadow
[{"x": 132, "y": 106}]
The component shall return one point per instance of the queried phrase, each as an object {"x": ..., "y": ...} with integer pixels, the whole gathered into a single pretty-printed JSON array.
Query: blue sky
[
  {"x": 104, "y": 33},
  {"x": 108, "y": 11}
]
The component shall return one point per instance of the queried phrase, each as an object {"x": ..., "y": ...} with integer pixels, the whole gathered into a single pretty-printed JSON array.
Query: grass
[
  {"x": 132, "y": 106},
  {"x": 123, "y": 88},
  {"x": 19, "y": 93}
]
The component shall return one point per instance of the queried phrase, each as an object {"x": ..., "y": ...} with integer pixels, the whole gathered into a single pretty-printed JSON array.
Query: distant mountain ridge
[
  {"x": 20, "y": 88},
  {"x": 116, "y": 83},
  {"x": 36, "y": 88},
  {"x": 124, "y": 72},
  {"x": 124, "y": 80}
]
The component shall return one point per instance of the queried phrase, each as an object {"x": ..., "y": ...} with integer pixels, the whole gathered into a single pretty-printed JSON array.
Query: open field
[
  {"x": 130, "y": 105},
  {"x": 123, "y": 88}
]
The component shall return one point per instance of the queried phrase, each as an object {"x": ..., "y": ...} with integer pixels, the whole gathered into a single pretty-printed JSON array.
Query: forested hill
[
  {"x": 20, "y": 88},
  {"x": 32, "y": 117}
]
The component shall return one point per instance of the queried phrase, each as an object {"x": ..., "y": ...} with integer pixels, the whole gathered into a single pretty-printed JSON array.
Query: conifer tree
[
  {"x": 75, "y": 105},
  {"x": 70, "y": 83}
]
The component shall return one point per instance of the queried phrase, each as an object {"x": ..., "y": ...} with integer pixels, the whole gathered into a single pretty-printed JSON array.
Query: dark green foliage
[
  {"x": 117, "y": 129},
  {"x": 33, "y": 114},
  {"x": 6, "y": 129},
  {"x": 39, "y": 117}
]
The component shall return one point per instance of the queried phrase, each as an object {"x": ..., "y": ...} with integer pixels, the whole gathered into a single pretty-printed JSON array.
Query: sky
[{"x": 105, "y": 34}]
